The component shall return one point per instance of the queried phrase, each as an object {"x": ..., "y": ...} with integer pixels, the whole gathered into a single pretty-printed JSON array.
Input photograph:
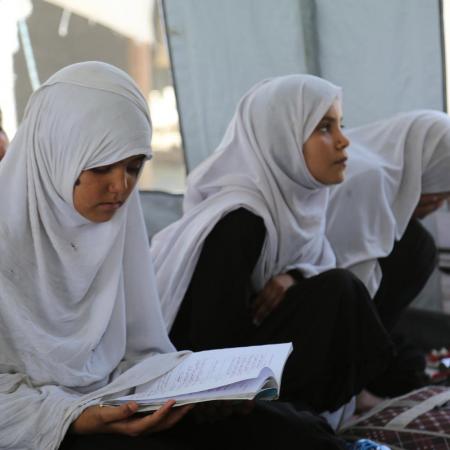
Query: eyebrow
[
  {"x": 138, "y": 158},
  {"x": 331, "y": 119}
]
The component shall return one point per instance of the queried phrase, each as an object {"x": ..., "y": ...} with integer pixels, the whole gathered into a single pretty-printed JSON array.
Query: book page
[
  {"x": 265, "y": 387},
  {"x": 240, "y": 390},
  {"x": 215, "y": 368}
]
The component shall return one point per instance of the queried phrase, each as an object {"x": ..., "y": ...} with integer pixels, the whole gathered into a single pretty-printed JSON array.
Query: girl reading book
[{"x": 80, "y": 317}]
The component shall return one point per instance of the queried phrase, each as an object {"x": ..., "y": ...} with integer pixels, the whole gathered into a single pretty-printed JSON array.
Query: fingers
[
  {"x": 162, "y": 419},
  {"x": 271, "y": 296},
  {"x": 265, "y": 296},
  {"x": 426, "y": 199},
  {"x": 122, "y": 419},
  {"x": 170, "y": 418},
  {"x": 265, "y": 306},
  {"x": 426, "y": 207},
  {"x": 150, "y": 422},
  {"x": 164, "y": 410},
  {"x": 110, "y": 414},
  {"x": 96, "y": 419},
  {"x": 176, "y": 415},
  {"x": 265, "y": 303},
  {"x": 429, "y": 203}
]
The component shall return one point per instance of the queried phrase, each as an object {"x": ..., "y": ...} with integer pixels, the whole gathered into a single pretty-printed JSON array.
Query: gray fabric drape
[{"x": 386, "y": 54}]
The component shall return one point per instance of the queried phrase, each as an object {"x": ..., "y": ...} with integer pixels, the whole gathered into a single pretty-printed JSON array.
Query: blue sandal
[{"x": 366, "y": 444}]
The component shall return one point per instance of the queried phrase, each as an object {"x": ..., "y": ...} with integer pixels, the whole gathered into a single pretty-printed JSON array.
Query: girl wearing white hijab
[
  {"x": 249, "y": 262},
  {"x": 398, "y": 171},
  {"x": 79, "y": 313},
  {"x": 72, "y": 315}
]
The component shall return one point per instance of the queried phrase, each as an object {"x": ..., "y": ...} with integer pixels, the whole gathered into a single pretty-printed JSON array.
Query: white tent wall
[
  {"x": 386, "y": 54},
  {"x": 221, "y": 48}
]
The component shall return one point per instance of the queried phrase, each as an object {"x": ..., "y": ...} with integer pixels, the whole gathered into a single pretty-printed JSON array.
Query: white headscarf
[
  {"x": 78, "y": 303},
  {"x": 259, "y": 165},
  {"x": 391, "y": 163}
]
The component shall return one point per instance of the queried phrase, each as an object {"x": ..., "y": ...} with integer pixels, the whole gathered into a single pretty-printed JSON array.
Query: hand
[
  {"x": 120, "y": 420},
  {"x": 428, "y": 203},
  {"x": 270, "y": 297},
  {"x": 218, "y": 410}
]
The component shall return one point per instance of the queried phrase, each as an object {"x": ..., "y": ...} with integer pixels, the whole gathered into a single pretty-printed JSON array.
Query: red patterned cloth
[{"x": 416, "y": 421}]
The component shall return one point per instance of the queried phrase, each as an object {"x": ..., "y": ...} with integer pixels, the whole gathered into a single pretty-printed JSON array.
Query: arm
[
  {"x": 272, "y": 294},
  {"x": 429, "y": 203},
  {"x": 215, "y": 311},
  {"x": 40, "y": 417}
]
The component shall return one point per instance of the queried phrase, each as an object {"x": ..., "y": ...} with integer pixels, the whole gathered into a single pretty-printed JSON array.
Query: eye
[
  {"x": 134, "y": 168},
  {"x": 324, "y": 127}
]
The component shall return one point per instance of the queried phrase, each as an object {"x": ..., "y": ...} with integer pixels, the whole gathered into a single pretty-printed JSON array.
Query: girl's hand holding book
[{"x": 122, "y": 419}]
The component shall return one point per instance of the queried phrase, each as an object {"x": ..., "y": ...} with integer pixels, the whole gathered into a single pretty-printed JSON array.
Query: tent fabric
[{"x": 386, "y": 55}]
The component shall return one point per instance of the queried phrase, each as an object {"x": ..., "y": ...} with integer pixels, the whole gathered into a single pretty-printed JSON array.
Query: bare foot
[{"x": 366, "y": 401}]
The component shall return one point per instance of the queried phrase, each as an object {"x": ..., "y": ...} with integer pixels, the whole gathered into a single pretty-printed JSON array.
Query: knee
[
  {"x": 345, "y": 285},
  {"x": 341, "y": 278}
]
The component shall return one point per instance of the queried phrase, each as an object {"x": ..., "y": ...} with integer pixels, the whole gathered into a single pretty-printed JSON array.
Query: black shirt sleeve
[
  {"x": 215, "y": 306},
  {"x": 296, "y": 275}
]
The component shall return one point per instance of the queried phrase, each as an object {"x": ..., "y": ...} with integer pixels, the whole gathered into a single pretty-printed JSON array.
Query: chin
[
  {"x": 100, "y": 218},
  {"x": 339, "y": 178},
  {"x": 334, "y": 180}
]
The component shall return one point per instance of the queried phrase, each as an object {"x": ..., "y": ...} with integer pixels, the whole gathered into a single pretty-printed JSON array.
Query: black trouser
[
  {"x": 270, "y": 425},
  {"x": 339, "y": 342},
  {"x": 405, "y": 272}
]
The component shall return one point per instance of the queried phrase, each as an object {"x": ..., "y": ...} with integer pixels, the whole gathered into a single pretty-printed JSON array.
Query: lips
[
  {"x": 110, "y": 206},
  {"x": 341, "y": 161}
]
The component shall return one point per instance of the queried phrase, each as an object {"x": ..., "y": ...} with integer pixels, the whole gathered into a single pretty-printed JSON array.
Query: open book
[{"x": 241, "y": 373}]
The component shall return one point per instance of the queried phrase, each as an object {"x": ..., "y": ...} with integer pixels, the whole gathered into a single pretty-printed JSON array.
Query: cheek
[
  {"x": 313, "y": 153},
  {"x": 308, "y": 150},
  {"x": 78, "y": 199},
  {"x": 85, "y": 190}
]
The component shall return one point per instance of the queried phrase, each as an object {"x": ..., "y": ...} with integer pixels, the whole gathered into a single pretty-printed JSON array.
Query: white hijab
[
  {"x": 259, "y": 165},
  {"x": 78, "y": 304},
  {"x": 391, "y": 163}
]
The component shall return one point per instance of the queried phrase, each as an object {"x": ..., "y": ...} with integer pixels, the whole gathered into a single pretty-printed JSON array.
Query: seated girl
[
  {"x": 79, "y": 313},
  {"x": 397, "y": 172},
  {"x": 249, "y": 262}
]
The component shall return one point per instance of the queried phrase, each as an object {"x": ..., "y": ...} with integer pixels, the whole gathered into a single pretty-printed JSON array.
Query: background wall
[{"x": 386, "y": 55}]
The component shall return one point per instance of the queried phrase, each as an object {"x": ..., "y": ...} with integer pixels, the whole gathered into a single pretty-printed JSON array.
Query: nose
[
  {"x": 118, "y": 182},
  {"x": 342, "y": 141}
]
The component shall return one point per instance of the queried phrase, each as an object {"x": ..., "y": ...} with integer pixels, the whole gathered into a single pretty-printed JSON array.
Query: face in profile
[
  {"x": 4, "y": 142},
  {"x": 324, "y": 151},
  {"x": 99, "y": 192}
]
